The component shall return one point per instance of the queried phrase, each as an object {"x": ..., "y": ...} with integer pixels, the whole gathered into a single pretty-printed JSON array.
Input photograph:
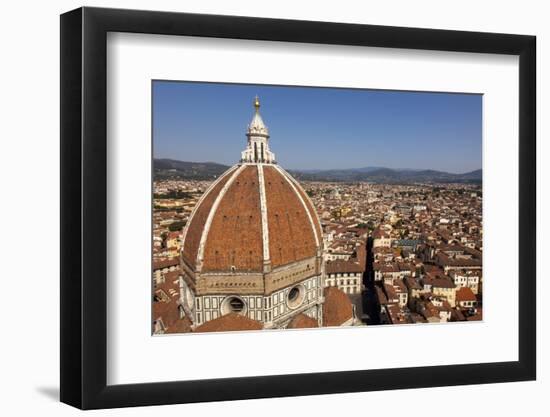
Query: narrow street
[{"x": 370, "y": 308}]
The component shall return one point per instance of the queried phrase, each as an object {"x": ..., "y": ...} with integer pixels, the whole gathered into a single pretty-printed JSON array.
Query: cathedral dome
[
  {"x": 254, "y": 218},
  {"x": 252, "y": 247}
]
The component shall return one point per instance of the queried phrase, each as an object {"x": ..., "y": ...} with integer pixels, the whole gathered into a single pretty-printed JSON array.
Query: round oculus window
[
  {"x": 233, "y": 305},
  {"x": 295, "y": 296}
]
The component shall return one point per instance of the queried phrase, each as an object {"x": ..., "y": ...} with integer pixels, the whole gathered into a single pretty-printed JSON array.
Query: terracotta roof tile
[
  {"x": 235, "y": 235},
  {"x": 196, "y": 225},
  {"x": 301, "y": 321},
  {"x": 165, "y": 263},
  {"x": 228, "y": 323},
  {"x": 310, "y": 208},
  {"x": 337, "y": 308},
  {"x": 465, "y": 294},
  {"x": 180, "y": 326},
  {"x": 291, "y": 237}
]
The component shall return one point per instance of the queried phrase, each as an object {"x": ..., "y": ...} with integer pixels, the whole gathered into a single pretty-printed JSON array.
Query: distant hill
[
  {"x": 170, "y": 168},
  {"x": 390, "y": 176},
  {"x": 474, "y": 175}
]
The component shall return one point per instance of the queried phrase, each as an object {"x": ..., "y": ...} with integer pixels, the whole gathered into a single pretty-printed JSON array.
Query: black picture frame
[{"x": 84, "y": 207}]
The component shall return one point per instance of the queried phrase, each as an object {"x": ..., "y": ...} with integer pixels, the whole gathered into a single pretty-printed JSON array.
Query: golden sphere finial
[{"x": 257, "y": 103}]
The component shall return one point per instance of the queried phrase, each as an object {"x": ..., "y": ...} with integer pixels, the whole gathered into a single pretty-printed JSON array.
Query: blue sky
[{"x": 320, "y": 128}]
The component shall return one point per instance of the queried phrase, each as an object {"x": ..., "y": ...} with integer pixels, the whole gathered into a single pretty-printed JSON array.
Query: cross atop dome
[{"x": 257, "y": 147}]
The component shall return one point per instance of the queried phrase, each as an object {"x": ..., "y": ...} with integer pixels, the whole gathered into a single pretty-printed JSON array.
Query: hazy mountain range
[{"x": 170, "y": 168}]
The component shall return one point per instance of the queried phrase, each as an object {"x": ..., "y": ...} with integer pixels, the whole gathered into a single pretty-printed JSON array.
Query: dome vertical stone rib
[
  {"x": 194, "y": 229},
  {"x": 309, "y": 203},
  {"x": 291, "y": 183},
  {"x": 204, "y": 236},
  {"x": 202, "y": 198},
  {"x": 234, "y": 242},
  {"x": 291, "y": 238},
  {"x": 263, "y": 210}
]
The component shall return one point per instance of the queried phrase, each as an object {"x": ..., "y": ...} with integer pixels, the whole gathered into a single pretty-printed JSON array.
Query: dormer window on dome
[{"x": 257, "y": 147}]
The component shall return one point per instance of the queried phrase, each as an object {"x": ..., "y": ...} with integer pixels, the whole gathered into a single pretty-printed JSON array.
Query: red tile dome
[
  {"x": 254, "y": 216},
  {"x": 252, "y": 250}
]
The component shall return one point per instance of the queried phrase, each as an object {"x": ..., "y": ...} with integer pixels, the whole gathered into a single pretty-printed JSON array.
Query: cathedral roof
[
  {"x": 301, "y": 321},
  {"x": 254, "y": 219},
  {"x": 337, "y": 308},
  {"x": 254, "y": 214},
  {"x": 229, "y": 323}
]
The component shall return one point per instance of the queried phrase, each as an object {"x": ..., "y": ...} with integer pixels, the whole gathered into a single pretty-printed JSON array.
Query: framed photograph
[{"x": 260, "y": 208}]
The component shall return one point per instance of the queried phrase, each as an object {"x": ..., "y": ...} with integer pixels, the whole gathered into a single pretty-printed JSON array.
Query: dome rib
[
  {"x": 291, "y": 238},
  {"x": 193, "y": 232},
  {"x": 234, "y": 240},
  {"x": 263, "y": 211},
  {"x": 309, "y": 203},
  {"x": 300, "y": 197},
  {"x": 219, "y": 197},
  {"x": 254, "y": 218}
]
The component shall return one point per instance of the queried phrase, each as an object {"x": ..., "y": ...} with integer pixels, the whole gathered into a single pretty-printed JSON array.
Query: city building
[
  {"x": 347, "y": 275},
  {"x": 381, "y": 238},
  {"x": 252, "y": 249}
]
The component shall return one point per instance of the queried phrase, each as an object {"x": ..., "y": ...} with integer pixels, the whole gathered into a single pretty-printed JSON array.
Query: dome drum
[
  {"x": 275, "y": 310},
  {"x": 254, "y": 282}
]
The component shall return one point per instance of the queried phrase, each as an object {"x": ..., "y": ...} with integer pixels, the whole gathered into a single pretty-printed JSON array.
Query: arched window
[
  {"x": 255, "y": 152},
  {"x": 262, "y": 154}
]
